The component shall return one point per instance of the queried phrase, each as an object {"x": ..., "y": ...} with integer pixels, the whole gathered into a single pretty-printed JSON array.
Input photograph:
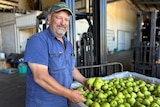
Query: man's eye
[
  {"x": 67, "y": 20},
  {"x": 57, "y": 17}
]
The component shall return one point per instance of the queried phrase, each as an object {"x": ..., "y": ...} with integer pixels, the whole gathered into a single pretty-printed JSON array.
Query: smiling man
[{"x": 51, "y": 63}]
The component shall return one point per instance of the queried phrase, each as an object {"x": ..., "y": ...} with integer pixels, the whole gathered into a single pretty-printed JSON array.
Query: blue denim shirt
[{"x": 44, "y": 48}]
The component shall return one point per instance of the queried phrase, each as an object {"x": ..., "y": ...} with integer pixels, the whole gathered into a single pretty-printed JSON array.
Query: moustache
[{"x": 61, "y": 26}]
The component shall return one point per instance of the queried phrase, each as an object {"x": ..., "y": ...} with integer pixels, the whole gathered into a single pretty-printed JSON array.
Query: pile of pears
[{"x": 120, "y": 92}]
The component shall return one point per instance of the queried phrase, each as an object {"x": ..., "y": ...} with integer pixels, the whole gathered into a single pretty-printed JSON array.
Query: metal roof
[
  {"x": 140, "y": 5},
  {"x": 146, "y": 5}
]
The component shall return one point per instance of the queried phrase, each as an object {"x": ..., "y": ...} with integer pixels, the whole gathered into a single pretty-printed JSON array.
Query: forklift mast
[{"x": 146, "y": 44}]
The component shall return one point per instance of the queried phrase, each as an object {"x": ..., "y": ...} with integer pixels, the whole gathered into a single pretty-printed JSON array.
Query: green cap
[{"x": 60, "y": 6}]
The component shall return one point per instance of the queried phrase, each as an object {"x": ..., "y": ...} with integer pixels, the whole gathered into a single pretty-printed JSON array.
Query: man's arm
[
  {"x": 79, "y": 77},
  {"x": 42, "y": 77}
]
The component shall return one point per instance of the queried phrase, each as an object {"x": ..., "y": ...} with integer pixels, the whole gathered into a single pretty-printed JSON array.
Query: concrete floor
[
  {"x": 124, "y": 57},
  {"x": 12, "y": 86},
  {"x": 12, "y": 90}
]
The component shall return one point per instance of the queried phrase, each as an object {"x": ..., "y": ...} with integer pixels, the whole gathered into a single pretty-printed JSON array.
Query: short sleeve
[{"x": 36, "y": 50}]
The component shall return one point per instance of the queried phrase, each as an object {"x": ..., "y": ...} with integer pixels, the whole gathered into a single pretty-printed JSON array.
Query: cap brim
[{"x": 64, "y": 9}]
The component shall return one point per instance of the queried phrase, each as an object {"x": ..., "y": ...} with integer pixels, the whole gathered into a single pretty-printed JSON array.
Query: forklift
[{"x": 146, "y": 52}]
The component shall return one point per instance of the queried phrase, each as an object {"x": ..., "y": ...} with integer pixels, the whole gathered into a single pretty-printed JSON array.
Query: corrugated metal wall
[
  {"x": 26, "y": 21},
  {"x": 7, "y": 27}
]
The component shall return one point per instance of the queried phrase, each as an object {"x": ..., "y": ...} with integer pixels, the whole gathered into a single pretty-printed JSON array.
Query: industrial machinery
[
  {"x": 146, "y": 52},
  {"x": 85, "y": 46}
]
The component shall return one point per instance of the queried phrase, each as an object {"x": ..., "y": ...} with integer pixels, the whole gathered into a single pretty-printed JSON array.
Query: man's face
[{"x": 59, "y": 23}]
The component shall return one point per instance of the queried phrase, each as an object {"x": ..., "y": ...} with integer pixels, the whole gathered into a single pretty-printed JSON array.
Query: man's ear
[{"x": 49, "y": 18}]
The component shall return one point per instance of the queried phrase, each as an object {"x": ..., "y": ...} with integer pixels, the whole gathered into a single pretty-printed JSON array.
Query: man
[{"x": 51, "y": 64}]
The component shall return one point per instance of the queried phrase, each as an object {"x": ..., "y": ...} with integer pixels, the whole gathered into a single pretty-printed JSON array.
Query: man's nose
[{"x": 63, "y": 22}]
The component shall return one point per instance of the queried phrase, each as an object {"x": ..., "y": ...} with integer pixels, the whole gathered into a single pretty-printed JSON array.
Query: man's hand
[{"x": 76, "y": 96}]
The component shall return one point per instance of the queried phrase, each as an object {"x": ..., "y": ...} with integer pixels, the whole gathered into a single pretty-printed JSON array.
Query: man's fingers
[{"x": 83, "y": 99}]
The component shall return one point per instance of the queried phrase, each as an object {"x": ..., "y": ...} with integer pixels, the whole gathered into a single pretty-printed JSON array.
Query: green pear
[
  {"x": 86, "y": 93},
  {"x": 114, "y": 91},
  {"x": 122, "y": 84},
  {"x": 146, "y": 102},
  {"x": 137, "y": 104},
  {"x": 101, "y": 95},
  {"x": 129, "y": 84},
  {"x": 119, "y": 87},
  {"x": 98, "y": 83},
  {"x": 88, "y": 102},
  {"x": 131, "y": 101},
  {"x": 153, "y": 104},
  {"x": 90, "y": 81},
  {"x": 146, "y": 93},
  {"x": 113, "y": 103},
  {"x": 142, "y": 83},
  {"x": 157, "y": 100},
  {"x": 85, "y": 88},
  {"x": 105, "y": 81},
  {"x": 116, "y": 98},
  {"x": 110, "y": 83},
  {"x": 105, "y": 87},
  {"x": 136, "y": 89},
  {"x": 130, "y": 89},
  {"x": 120, "y": 95},
  {"x": 127, "y": 95},
  {"x": 116, "y": 82},
  {"x": 139, "y": 100},
  {"x": 120, "y": 101},
  {"x": 90, "y": 95},
  {"x": 127, "y": 104},
  {"x": 111, "y": 97},
  {"x": 121, "y": 105},
  {"x": 151, "y": 87},
  {"x": 140, "y": 94},
  {"x": 109, "y": 92},
  {"x": 130, "y": 79},
  {"x": 137, "y": 82},
  {"x": 158, "y": 88},
  {"x": 144, "y": 88},
  {"x": 150, "y": 98},
  {"x": 80, "y": 88},
  {"x": 105, "y": 104},
  {"x": 99, "y": 79},
  {"x": 95, "y": 94},
  {"x": 98, "y": 100},
  {"x": 95, "y": 104},
  {"x": 125, "y": 91},
  {"x": 133, "y": 94}
]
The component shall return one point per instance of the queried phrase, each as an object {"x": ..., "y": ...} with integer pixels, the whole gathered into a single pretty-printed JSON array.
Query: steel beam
[
  {"x": 71, "y": 33},
  {"x": 99, "y": 30}
]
